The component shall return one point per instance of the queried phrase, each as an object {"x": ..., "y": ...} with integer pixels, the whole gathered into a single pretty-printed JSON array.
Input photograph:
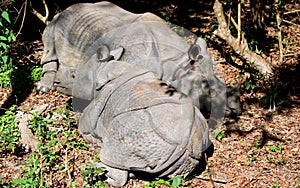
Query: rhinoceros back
[
  {"x": 143, "y": 124},
  {"x": 75, "y": 30}
]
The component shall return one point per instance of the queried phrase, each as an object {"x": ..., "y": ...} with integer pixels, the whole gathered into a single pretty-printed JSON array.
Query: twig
[
  {"x": 295, "y": 54},
  {"x": 233, "y": 22},
  {"x": 220, "y": 61},
  {"x": 245, "y": 118},
  {"x": 23, "y": 19},
  {"x": 41, "y": 170},
  {"x": 290, "y": 12},
  {"x": 42, "y": 108},
  {"x": 229, "y": 18},
  {"x": 236, "y": 25},
  {"x": 66, "y": 164},
  {"x": 208, "y": 171},
  {"x": 239, "y": 21},
  {"x": 289, "y": 22},
  {"x": 44, "y": 19},
  {"x": 4, "y": 109},
  {"x": 213, "y": 179},
  {"x": 278, "y": 20}
]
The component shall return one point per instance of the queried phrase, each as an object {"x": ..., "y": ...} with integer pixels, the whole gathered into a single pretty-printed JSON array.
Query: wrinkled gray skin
[
  {"x": 141, "y": 124},
  {"x": 74, "y": 35},
  {"x": 132, "y": 117}
]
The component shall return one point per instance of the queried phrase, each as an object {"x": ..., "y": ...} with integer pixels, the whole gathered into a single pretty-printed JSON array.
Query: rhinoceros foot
[
  {"x": 115, "y": 176},
  {"x": 47, "y": 82},
  {"x": 43, "y": 89}
]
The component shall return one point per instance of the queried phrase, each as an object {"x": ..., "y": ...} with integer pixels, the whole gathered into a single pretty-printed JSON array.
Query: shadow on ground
[{"x": 21, "y": 88}]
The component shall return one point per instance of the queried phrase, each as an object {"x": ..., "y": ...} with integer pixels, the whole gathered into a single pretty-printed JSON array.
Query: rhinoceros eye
[
  {"x": 189, "y": 65},
  {"x": 192, "y": 62}
]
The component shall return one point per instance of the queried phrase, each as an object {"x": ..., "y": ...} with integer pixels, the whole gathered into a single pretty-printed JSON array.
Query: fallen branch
[
  {"x": 27, "y": 137},
  {"x": 212, "y": 179},
  {"x": 240, "y": 47}
]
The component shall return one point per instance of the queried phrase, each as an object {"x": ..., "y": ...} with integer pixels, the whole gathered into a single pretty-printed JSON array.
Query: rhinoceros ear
[
  {"x": 117, "y": 53},
  {"x": 103, "y": 53},
  {"x": 195, "y": 52}
]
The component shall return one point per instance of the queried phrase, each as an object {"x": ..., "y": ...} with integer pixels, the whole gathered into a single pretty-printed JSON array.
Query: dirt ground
[{"x": 260, "y": 148}]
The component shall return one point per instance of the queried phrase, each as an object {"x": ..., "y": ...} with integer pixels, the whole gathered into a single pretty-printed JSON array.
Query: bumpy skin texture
[
  {"x": 142, "y": 124},
  {"x": 75, "y": 34}
]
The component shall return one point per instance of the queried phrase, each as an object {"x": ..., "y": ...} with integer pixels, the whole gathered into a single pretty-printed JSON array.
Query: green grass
[
  {"x": 56, "y": 137},
  {"x": 173, "y": 182},
  {"x": 9, "y": 131}
]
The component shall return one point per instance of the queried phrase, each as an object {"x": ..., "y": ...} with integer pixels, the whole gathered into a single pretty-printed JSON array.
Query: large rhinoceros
[
  {"x": 142, "y": 124},
  {"x": 75, "y": 34}
]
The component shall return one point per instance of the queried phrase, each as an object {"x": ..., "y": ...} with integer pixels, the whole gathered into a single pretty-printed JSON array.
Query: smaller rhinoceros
[{"x": 141, "y": 124}]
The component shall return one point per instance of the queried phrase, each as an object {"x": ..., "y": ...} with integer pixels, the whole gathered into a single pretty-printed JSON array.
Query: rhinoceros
[
  {"x": 141, "y": 123},
  {"x": 75, "y": 34}
]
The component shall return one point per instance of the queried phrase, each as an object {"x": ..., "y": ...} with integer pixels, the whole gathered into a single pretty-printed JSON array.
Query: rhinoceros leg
[
  {"x": 115, "y": 177},
  {"x": 49, "y": 72}
]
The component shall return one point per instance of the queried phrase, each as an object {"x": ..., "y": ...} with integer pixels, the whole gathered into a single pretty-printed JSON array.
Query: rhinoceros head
[
  {"x": 84, "y": 83},
  {"x": 215, "y": 97}
]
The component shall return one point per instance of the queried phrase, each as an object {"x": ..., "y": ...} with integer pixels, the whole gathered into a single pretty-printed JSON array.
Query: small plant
[
  {"x": 36, "y": 73},
  {"x": 33, "y": 176},
  {"x": 56, "y": 139},
  {"x": 6, "y": 39},
  {"x": 252, "y": 159},
  {"x": 219, "y": 135},
  {"x": 257, "y": 144},
  {"x": 74, "y": 144},
  {"x": 249, "y": 85},
  {"x": 9, "y": 132},
  {"x": 252, "y": 81},
  {"x": 41, "y": 162},
  {"x": 40, "y": 126},
  {"x": 275, "y": 160},
  {"x": 5, "y": 78},
  {"x": 277, "y": 185},
  {"x": 167, "y": 17},
  {"x": 3, "y": 183},
  {"x": 281, "y": 161},
  {"x": 276, "y": 149},
  {"x": 92, "y": 176},
  {"x": 173, "y": 182}
]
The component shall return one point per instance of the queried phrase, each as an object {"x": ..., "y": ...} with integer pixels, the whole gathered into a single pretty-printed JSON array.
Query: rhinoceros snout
[{"x": 232, "y": 112}]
